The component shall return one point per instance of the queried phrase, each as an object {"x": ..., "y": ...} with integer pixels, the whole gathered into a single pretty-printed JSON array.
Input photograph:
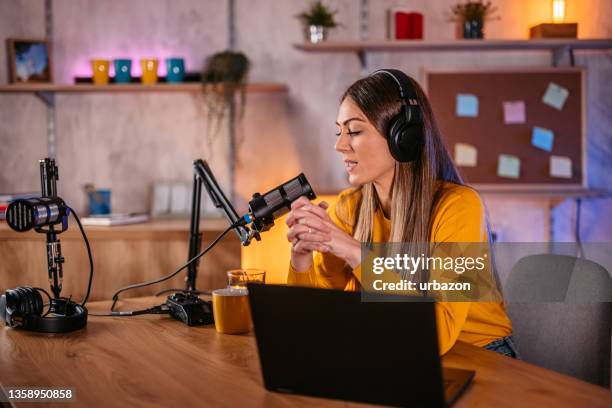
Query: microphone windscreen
[{"x": 276, "y": 202}]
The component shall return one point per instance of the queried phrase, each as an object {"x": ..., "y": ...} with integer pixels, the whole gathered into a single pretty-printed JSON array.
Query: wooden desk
[
  {"x": 154, "y": 360},
  {"x": 122, "y": 255}
]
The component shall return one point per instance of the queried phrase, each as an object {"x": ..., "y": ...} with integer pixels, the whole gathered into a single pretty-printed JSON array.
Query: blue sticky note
[
  {"x": 508, "y": 166},
  {"x": 467, "y": 105},
  {"x": 542, "y": 138}
]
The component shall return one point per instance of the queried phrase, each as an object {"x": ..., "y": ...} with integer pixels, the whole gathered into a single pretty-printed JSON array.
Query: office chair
[{"x": 560, "y": 311}]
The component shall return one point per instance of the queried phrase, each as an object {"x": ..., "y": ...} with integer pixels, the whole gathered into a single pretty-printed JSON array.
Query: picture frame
[{"x": 29, "y": 60}]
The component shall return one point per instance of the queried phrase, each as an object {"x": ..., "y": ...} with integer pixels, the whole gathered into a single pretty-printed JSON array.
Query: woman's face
[{"x": 364, "y": 150}]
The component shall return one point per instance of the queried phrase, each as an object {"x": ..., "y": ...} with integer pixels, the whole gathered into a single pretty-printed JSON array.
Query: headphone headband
[{"x": 399, "y": 77}]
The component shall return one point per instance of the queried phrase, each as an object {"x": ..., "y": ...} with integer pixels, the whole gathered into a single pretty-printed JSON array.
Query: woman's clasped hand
[{"x": 312, "y": 229}]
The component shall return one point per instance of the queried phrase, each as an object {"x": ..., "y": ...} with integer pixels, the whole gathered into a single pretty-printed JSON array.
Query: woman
[{"x": 407, "y": 189}]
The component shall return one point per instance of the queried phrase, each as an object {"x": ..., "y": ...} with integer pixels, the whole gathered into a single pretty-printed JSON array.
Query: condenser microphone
[
  {"x": 264, "y": 209},
  {"x": 24, "y": 214}
]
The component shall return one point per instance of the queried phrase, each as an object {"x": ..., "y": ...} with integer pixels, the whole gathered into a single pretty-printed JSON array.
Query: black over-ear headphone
[
  {"x": 405, "y": 135},
  {"x": 23, "y": 307}
]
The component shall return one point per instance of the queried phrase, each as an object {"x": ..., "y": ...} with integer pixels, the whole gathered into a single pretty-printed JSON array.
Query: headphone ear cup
[
  {"x": 411, "y": 142},
  {"x": 20, "y": 301},
  {"x": 405, "y": 140},
  {"x": 413, "y": 113},
  {"x": 406, "y": 136},
  {"x": 37, "y": 302},
  {"x": 395, "y": 136},
  {"x": 12, "y": 300},
  {"x": 27, "y": 301}
]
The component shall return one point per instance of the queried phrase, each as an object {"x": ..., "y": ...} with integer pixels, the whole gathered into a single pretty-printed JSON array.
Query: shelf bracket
[
  {"x": 558, "y": 53},
  {"x": 48, "y": 98},
  {"x": 363, "y": 36},
  {"x": 231, "y": 26},
  {"x": 231, "y": 125},
  {"x": 363, "y": 62},
  {"x": 363, "y": 20},
  {"x": 553, "y": 203}
]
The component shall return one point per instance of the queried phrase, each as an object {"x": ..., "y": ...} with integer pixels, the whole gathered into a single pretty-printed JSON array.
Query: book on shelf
[
  {"x": 403, "y": 24},
  {"x": 7, "y": 198},
  {"x": 109, "y": 220}
]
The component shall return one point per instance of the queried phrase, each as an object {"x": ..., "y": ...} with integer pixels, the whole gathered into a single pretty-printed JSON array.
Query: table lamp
[{"x": 556, "y": 29}]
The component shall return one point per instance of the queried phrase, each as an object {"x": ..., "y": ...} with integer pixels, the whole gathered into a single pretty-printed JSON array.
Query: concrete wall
[{"x": 129, "y": 141}]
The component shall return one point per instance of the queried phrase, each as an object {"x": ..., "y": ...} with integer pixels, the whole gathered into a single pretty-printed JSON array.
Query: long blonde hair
[{"x": 416, "y": 186}]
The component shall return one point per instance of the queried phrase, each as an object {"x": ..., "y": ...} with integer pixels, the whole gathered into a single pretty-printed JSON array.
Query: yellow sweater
[{"x": 459, "y": 217}]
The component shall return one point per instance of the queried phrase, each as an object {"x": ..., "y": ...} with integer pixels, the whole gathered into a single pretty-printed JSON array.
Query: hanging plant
[{"x": 225, "y": 74}]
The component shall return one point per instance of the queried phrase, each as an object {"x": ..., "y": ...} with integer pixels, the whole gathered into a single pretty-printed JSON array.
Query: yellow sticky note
[
  {"x": 465, "y": 155},
  {"x": 560, "y": 166}
]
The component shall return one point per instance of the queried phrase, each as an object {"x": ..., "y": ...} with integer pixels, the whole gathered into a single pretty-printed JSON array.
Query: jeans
[{"x": 504, "y": 346}]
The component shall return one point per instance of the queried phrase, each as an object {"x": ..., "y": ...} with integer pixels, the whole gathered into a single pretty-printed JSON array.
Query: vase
[
  {"x": 473, "y": 29},
  {"x": 316, "y": 33}
]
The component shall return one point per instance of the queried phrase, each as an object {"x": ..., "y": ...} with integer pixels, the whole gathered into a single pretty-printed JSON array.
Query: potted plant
[
  {"x": 225, "y": 73},
  {"x": 317, "y": 20},
  {"x": 470, "y": 17}
]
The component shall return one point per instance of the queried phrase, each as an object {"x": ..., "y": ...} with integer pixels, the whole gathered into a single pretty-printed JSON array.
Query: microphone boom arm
[
  {"x": 220, "y": 201},
  {"x": 204, "y": 176}
]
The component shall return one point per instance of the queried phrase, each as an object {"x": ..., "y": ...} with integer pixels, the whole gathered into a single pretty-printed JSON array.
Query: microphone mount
[{"x": 49, "y": 174}]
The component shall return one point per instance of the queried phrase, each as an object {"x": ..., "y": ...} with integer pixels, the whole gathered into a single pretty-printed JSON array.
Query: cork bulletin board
[{"x": 491, "y": 136}]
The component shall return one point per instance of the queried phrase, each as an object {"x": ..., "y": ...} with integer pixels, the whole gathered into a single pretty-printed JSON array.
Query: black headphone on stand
[
  {"x": 406, "y": 135},
  {"x": 23, "y": 307}
]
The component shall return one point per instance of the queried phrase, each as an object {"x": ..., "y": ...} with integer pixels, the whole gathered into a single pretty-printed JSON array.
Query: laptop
[{"x": 328, "y": 343}]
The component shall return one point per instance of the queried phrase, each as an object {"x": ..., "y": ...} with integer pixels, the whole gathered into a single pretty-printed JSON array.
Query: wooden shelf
[
  {"x": 457, "y": 45},
  {"x": 161, "y": 87}
]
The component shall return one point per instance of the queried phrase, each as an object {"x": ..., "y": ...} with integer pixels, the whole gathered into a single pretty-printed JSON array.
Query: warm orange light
[{"x": 558, "y": 11}]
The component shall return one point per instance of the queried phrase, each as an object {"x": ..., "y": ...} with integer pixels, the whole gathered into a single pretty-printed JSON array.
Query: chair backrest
[{"x": 561, "y": 314}]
